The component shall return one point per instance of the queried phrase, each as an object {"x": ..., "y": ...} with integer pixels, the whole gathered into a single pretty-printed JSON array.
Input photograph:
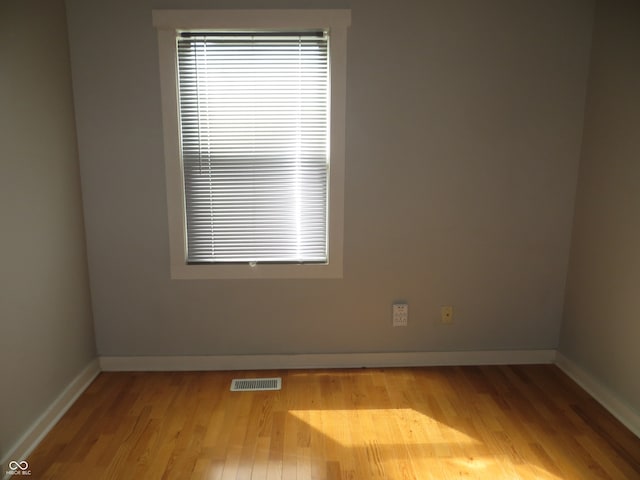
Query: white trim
[
  {"x": 39, "y": 429},
  {"x": 249, "y": 19},
  {"x": 337, "y": 360},
  {"x": 168, "y": 23},
  {"x": 604, "y": 395}
]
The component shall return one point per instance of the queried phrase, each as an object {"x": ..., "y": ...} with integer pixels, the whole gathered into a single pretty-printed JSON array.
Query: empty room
[{"x": 320, "y": 239}]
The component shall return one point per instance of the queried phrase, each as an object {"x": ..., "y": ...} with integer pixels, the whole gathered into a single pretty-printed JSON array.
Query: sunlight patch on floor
[
  {"x": 380, "y": 423},
  {"x": 430, "y": 446}
]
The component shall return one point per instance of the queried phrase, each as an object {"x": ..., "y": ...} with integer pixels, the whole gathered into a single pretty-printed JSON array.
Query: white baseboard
[
  {"x": 34, "y": 435},
  {"x": 602, "y": 394},
  {"x": 338, "y": 360}
]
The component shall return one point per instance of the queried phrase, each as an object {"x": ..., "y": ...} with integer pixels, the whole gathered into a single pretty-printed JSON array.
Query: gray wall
[
  {"x": 464, "y": 124},
  {"x": 46, "y": 336},
  {"x": 602, "y": 314}
]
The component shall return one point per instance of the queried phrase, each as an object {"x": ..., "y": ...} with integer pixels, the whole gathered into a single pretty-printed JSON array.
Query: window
[{"x": 253, "y": 114}]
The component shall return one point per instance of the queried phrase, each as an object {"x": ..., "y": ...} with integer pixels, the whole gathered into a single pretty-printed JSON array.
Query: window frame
[{"x": 169, "y": 24}]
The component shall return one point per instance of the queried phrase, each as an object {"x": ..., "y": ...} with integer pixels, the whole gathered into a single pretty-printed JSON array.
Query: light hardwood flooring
[{"x": 497, "y": 422}]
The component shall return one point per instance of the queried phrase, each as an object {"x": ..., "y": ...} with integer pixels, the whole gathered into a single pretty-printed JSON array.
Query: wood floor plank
[{"x": 490, "y": 422}]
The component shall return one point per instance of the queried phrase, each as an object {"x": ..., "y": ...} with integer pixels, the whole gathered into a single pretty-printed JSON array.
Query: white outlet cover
[{"x": 400, "y": 314}]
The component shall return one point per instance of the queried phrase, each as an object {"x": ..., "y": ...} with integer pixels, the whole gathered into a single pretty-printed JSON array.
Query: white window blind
[{"x": 254, "y": 143}]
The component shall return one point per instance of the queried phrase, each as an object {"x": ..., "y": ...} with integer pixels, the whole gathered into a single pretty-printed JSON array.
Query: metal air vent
[{"x": 255, "y": 384}]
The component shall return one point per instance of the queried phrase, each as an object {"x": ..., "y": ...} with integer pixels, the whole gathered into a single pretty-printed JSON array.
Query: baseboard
[
  {"x": 34, "y": 435},
  {"x": 602, "y": 394},
  {"x": 338, "y": 360}
]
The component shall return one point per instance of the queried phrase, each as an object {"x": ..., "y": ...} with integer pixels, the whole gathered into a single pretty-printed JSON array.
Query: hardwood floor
[{"x": 519, "y": 422}]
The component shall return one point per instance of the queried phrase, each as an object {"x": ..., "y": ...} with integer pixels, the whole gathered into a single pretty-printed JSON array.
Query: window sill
[{"x": 270, "y": 271}]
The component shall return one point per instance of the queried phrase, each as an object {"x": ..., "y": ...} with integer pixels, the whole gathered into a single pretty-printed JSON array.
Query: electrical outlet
[
  {"x": 400, "y": 314},
  {"x": 446, "y": 314}
]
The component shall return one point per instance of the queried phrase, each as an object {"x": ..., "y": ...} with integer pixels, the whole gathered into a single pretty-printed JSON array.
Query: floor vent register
[{"x": 255, "y": 384}]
